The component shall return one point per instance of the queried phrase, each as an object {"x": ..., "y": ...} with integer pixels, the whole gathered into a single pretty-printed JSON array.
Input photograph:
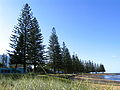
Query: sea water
[{"x": 112, "y": 77}]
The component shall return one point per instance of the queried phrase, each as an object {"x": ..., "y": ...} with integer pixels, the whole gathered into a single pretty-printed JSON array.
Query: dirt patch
[
  {"x": 95, "y": 78},
  {"x": 98, "y": 81}
]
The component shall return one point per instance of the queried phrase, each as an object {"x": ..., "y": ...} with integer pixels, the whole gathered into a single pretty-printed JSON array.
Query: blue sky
[{"x": 90, "y": 28}]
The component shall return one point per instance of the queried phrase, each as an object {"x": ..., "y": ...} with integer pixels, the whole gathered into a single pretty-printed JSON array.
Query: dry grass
[{"x": 45, "y": 82}]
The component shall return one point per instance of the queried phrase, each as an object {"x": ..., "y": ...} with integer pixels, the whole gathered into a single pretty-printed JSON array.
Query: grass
[{"x": 45, "y": 82}]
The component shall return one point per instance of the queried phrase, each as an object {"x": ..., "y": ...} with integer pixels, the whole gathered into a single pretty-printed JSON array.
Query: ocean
[{"x": 112, "y": 77}]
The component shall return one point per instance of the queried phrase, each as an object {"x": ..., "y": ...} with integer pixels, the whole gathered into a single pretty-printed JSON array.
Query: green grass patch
[{"x": 44, "y": 82}]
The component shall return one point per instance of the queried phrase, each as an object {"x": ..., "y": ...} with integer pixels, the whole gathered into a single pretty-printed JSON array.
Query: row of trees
[
  {"x": 28, "y": 49},
  {"x": 61, "y": 60}
]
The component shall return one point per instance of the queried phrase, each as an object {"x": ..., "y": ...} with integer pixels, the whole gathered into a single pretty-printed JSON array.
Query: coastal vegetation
[
  {"x": 27, "y": 49},
  {"x": 54, "y": 67},
  {"x": 50, "y": 82}
]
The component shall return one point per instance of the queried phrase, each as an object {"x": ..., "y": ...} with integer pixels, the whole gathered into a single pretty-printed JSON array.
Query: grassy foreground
[{"x": 45, "y": 82}]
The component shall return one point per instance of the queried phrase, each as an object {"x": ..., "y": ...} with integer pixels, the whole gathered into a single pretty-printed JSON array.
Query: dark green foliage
[
  {"x": 54, "y": 52},
  {"x": 27, "y": 48},
  {"x": 97, "y": 68},
  {"x": 66, "y": 60},
  {"x": 17, "y": 57},
  {"x": 35, "y": 46},
  {"x": 75, "y": 64},
  {"x": 93, "y": 67},
  {"x": 81, "y": 66},
  {"x": 19, "y": 38},
  {"x": 102, "y": 69},
  {"x": 26, "y": 40}
]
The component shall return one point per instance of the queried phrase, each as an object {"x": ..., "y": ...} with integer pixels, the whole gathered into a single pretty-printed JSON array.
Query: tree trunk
[
  {"x": 24, "y": 65},
  {"x": 34, "y": 68},
  {"x": 15, "y": 67},
  {"x": 54, "y": 69}
]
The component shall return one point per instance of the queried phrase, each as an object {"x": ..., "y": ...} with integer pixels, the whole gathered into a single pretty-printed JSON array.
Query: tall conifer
[
  {"x": 35, "y": 45},
  {"x": 66, "y": 59},
  {"x": 55, "y": 52},
  {"x": 26, "y": 40}
]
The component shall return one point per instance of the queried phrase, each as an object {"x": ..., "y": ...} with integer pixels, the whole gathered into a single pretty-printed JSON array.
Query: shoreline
[{"x": 97, "y": 78}]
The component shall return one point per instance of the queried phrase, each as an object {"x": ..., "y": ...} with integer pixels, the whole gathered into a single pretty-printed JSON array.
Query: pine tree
[
  {"x": 92, "y": 67},
  {"x": 81, "y": 66},
  {"x": 69, "y": 61},
  {"x": 35, "y": 46},
  {"x": 55, "y": 52},
  {"x": 77, "y": 64},
  {"x": 74, "y": 64},
  {"x": 97, "y": 69},
  {"x": 63, "y": 53},
  {"x": 26, "y": 40},
  {"x": 66, "y": 59},
  {"x": 102, "y": 69},
  {"x": 17, "y": 56},
  {"x": 19, "y": 39},
  {"x": 86, "y": 67}
]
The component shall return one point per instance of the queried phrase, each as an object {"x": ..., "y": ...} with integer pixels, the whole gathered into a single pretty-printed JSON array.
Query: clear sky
[{"x": 90, "y": 28}]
